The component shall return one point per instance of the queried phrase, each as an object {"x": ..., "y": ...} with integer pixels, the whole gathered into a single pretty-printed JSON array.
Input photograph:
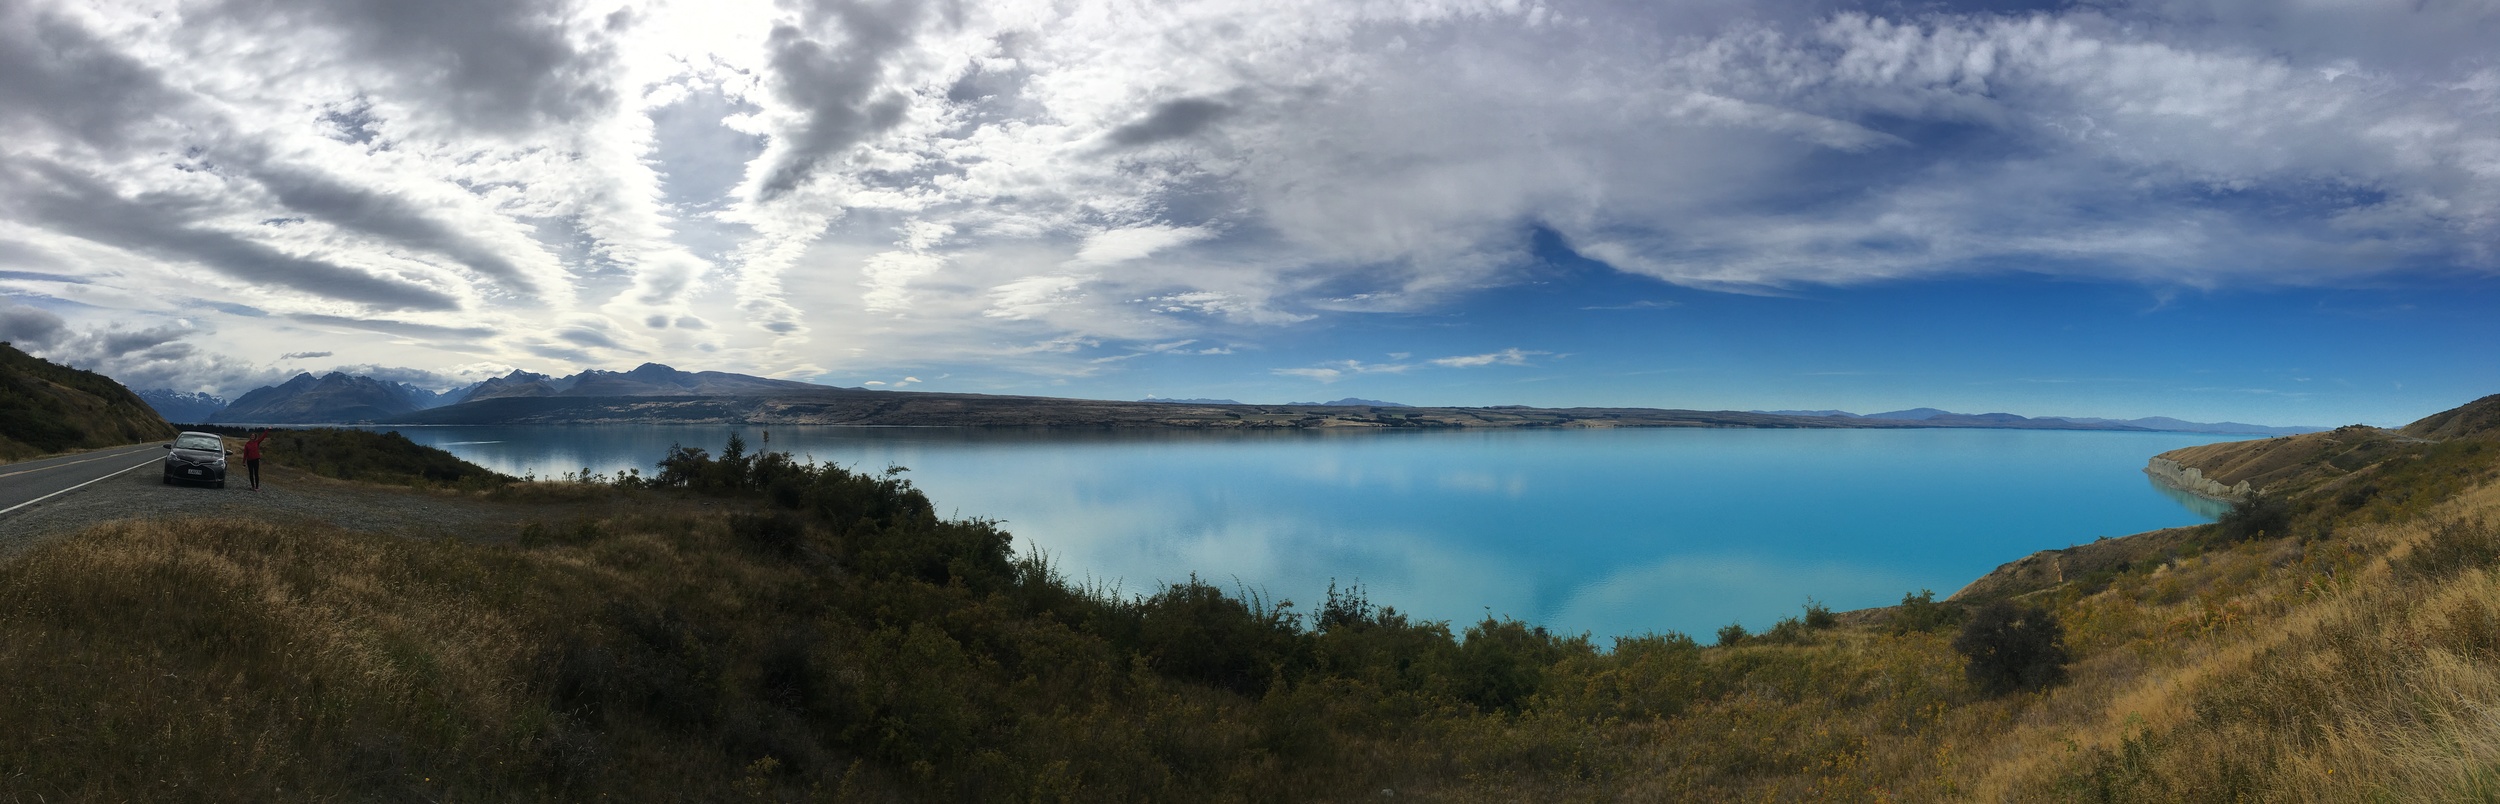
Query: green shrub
[
  {"x": 2259, "y": 516},
  {"x": 1379, "y": 646},
  {"x": 777, "y": 534},
  {"x": 1819, "y": 616},
  {"x": 2011, "y": 647},
  {"x": 1502, "y": 662},
  {"x": 1920, "y": 613},
  {"x": 1194, "y": 631}
]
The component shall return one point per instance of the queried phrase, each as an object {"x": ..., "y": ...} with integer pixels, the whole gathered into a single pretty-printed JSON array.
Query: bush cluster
[
  {"x": 909, "y": 658},
  {"x": 2452, "y": 548},
  {"x": 1921, "y": 613},
  {"x": 2011, "y": 647}
]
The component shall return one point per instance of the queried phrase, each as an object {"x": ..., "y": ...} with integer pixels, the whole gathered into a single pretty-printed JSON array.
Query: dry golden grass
[
  {"x": 2293, "y": 672},
  {"x": 193, "y": 659}
]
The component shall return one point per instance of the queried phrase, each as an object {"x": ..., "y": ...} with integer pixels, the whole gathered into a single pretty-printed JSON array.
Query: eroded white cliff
[{"x": 2193, "y": 481}]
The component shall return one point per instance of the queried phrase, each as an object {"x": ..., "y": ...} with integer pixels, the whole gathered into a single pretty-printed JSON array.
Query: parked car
[{"x": 196, "y": 458}]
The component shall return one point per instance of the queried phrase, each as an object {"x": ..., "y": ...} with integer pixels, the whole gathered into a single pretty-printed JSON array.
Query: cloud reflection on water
[{"x": 1614, "y": 533}]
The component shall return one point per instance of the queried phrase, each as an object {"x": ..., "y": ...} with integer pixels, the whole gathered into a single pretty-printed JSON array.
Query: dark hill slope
[
  {"x": 2294, "y": 463},
  {"x": 2355, "y": 466},
  {"x": 46, "y": 408},
  {"x": 2477, "y": 419}
]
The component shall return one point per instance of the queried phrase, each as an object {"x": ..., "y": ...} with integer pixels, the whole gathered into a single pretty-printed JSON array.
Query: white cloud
[
  {"x": 888, "y": 276},
  {"x": 1034, "y": 296},
  {"x": 1136, "y": 242},
  {"x": 1334, "y": 371},
  {"x": 1331, "y": 372},
  {"x": 875, "y": 185},
  {"x": 1508, "y": 357}
]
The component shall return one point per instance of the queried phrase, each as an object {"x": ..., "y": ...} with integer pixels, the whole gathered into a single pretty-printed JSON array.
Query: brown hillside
[
  {"x": 2350, "y": 456},
  {"x": 2477, "y": 419},
  {"x": 47, "y": 408},
  {"x": 2293, "y": 464}
]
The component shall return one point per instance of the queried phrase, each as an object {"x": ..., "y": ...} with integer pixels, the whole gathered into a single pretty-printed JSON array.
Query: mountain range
[
  {"x": 333, "y": 398},
  {"x": 648, "y": 379},
  {"x": 180, "y": 406},
  {"x": 655, "y": 393},
  {"x": 338, "y": 398}
]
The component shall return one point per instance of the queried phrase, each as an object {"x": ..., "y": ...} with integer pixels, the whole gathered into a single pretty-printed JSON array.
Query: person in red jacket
[{"x": 251, "y": 456}]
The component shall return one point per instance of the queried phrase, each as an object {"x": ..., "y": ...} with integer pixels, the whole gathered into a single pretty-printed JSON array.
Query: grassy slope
[
  {"x": 772, "y": 632},
  {"x": 46, "y": 408}
]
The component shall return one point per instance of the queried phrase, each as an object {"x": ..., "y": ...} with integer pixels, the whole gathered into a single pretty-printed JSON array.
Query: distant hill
[
  {"x": 178, "y": 406},
  {"x": 1169, "y": 401},
  {"x": 47, "y": 408},
  {"x": 816, "y": 404},
  {"x": 1913, "y": 414},
  {"x": 1948, "y": 418},
  {"x": 334, "y": 398},
  {"x": 1348, "y": 402},
  {"x": 2168, "y": 424}
]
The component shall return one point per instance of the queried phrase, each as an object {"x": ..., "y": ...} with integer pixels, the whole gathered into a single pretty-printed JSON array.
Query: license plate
[{"x": 192, "y": 471}]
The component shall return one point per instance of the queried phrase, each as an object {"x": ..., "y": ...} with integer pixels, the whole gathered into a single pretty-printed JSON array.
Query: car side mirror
[{"x": 169, "y": 446}]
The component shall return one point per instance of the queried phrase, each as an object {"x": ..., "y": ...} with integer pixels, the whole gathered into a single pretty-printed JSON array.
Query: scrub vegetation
[
  {"x": 386, "y": 458},
  {"x": 47, "y": 408},
  {"x": 744, "y": 627}
]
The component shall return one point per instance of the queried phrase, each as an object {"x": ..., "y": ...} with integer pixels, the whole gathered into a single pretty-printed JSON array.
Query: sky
[{"x": 2270, "y": 211}]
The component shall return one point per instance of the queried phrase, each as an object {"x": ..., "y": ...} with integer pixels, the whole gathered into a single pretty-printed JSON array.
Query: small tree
[
  {"x": 1819, "y": 616},
  {"x": 2012, "y": 647},
  {"x": 1731, "y": 635}
]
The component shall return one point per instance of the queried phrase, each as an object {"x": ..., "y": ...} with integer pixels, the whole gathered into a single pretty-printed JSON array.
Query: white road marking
[
  {"x": 114, "y": 454},
  {"x": 151, "y": 462}
]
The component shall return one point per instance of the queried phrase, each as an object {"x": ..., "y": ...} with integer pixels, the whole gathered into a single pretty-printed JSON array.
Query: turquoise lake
[{"x": 1612, "y": 532}]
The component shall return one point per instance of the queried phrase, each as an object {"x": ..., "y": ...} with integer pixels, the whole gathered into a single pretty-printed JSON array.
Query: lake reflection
[{"x": 1608, "y": 531}]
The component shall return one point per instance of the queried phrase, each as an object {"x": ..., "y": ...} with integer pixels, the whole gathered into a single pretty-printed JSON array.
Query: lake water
[{"x": 1613, "y": 532}]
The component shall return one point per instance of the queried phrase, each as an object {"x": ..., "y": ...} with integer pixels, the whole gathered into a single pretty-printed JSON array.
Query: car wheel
[
  {"x": 221, "y": 482},
  {"x": 169, "y": 480}
]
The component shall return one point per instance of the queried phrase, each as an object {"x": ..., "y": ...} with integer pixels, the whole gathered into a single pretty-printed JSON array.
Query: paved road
[{"x": 33, "y": 483}]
